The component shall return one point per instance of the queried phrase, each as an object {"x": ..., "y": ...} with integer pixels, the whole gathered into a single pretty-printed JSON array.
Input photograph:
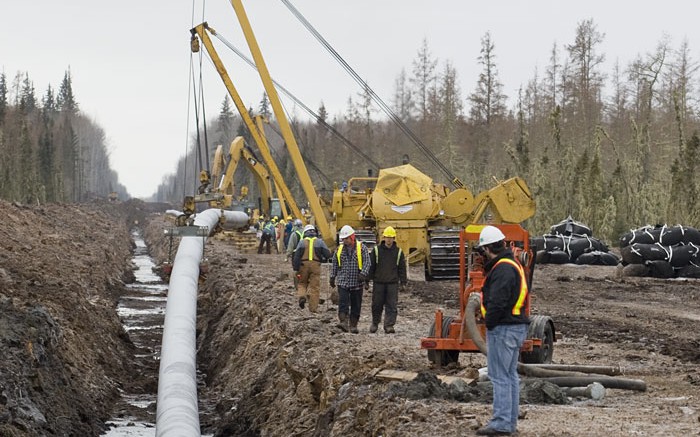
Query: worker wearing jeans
[
  {"x": 503, "y": 306},
  {"x": 350, "y": 268},
  {"x": 504, "y": 342}
]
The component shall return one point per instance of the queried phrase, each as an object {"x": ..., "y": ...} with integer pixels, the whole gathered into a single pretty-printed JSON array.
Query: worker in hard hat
[
  {"x": 388, "y": 272},
  {"x": 279, "y": 232},
  {"x": 296, "y": 234},
  {"x": 504, "y": 300},
  {"x": 267, "y": 236},
  {"x": 287, "y": 231},
  {"x": 308, "y": 256},
  {"x": 350, "y": 271}
]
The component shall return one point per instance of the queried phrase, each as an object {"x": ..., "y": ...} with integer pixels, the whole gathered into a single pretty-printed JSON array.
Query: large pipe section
[
  {"x": 562, "y": 378},
  {"x": 177, "y": 410}
]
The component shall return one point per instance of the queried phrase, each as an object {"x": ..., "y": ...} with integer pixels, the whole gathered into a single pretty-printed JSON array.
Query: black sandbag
[
  {"x": 681, "y": 254},
  {"x": 554, "y": 242},
  {"x": 537, "y": 243},
  {"x": 598, "y": 258},
  {"x": 578, "y": 244},
  {"x": 639, "y": 235},
  {"x": 639, "y": 270},
  {"x": 569, "y": 226},
  {"x": 638, "y": 253},
  {"x": 660, "y": 269},
  {"x": 689, "y": 235},
  {"x": 552, "y": 257},
  {"x": 689, "y": 271},
  {"x": 670, "y": 236}
]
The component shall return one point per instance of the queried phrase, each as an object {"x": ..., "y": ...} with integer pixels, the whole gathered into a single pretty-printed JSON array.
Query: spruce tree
[
  {"x": 3, "y": 97},
  {"x": 66, "y": 101}
]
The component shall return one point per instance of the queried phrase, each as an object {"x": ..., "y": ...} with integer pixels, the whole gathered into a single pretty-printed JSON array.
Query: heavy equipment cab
[{"x": 450, "y": 335}]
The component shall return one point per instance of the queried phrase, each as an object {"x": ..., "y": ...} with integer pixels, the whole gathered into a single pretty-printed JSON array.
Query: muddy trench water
[{"x": 142, "y": 311}]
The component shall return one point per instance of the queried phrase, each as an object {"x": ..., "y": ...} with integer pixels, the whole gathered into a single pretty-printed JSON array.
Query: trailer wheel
[
  {"x": 442, "y": 357},
  {"x": 542, "y": 328}
]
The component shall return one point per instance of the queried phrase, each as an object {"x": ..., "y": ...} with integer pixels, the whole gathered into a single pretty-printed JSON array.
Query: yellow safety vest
[
  {"x": 376, "y": 254},
  {"x": 310, "y": 247},
  {"x": 523, "y": 287},
  {"x": 358, "y": 245}
]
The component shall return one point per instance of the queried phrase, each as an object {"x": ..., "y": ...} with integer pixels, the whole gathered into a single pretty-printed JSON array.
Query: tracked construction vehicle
[
  {"x": 427, "y": 216},
  {"x": 450, "y": 335}
]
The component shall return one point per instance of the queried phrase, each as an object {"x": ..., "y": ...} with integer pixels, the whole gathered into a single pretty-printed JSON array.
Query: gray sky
[{"x": 130, "y": 59}]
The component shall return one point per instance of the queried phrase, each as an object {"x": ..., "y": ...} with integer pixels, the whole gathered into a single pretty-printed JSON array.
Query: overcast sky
[{"x": 130, "y": 59}]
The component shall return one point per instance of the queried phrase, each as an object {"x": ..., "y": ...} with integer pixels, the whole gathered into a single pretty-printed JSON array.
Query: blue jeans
[
  {"x": 350, "y": 301},
  {"x": 504, "y": 343}
]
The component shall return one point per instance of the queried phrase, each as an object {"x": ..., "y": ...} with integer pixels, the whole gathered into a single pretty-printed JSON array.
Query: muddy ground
[{"x": 272, "y": 369}]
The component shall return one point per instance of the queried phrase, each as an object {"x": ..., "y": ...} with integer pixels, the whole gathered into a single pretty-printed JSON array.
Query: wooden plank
[{"x": 402, "y": 375}]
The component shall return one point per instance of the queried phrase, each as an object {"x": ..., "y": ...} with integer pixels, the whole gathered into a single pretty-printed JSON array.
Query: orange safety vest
[
  {"x": 358, "y": 245},
  {"x": 523, "y": 287}
]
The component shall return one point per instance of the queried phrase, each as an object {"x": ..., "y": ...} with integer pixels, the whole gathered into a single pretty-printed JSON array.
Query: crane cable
[
  {"x": 365, "y": 86},
  {"x": 301, "y": 104}
]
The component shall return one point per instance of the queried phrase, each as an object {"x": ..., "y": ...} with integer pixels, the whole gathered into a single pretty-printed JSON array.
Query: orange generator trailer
[{"x": 448, "y": 336}]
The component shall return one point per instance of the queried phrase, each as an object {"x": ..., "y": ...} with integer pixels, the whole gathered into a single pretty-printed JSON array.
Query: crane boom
[
  {"x": 294, "y": 152},
  {"x": 201, "y": 31}
]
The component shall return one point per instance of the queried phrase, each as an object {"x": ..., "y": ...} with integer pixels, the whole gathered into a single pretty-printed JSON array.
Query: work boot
[
  {"x": 302, "y": 302},
  {"x": 389, "y": 330},
  {"x": 353, "y": 325},
  {"x": 343, "y": 322},
  {"x": 373, "y": 328}
]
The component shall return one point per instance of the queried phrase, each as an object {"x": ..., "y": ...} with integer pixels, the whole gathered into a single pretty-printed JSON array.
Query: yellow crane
[{"x": 200, "y": 33}]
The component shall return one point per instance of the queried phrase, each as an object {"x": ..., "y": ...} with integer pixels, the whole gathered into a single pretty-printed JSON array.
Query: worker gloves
[{"x": 332, "y": 283}]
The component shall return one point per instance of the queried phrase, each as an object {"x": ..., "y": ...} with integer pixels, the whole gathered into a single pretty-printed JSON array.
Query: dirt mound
[{"x": 64, "y": 351}]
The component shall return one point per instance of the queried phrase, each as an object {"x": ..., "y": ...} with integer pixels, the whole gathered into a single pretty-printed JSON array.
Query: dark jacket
[
  {"x": 500, "y": 293},
  {"x": 321, "y": 253},
  {"x": 388, "y": 264}
]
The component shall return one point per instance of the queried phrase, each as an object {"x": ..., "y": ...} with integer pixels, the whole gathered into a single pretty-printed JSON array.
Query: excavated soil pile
[
  {"x": 64, "y": 352},
  {"x": 271, "y": 368}
]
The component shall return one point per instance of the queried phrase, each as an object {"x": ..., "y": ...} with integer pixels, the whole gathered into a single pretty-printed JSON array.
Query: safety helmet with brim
[{"x": 489, "y": 235}]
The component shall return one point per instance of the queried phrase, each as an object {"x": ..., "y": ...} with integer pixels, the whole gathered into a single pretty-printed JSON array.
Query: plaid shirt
[{"x": 347, "y": 274}]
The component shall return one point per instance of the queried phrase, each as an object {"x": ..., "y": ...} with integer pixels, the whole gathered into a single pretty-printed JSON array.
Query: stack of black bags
[
  {"x": 570, "y": 241},
  {"x": 661, "y": 252}
]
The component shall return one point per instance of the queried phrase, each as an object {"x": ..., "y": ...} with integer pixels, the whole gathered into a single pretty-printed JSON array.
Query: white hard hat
[
  {"x": 346, "y": 231},
  {"x": 309, "y": 228},
  {"x": 490, "y": 234}
]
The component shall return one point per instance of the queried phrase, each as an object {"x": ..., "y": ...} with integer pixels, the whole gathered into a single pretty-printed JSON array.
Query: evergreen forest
[{"x": 51, "y": 152}]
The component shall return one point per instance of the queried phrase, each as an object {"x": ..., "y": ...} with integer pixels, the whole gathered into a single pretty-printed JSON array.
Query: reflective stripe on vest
[
  {"x": 376, "y": 254},
  {"x": 310, "y": 247},
  {"x": 523, "y": 287},
  {"x": 358, "y": 245}
]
